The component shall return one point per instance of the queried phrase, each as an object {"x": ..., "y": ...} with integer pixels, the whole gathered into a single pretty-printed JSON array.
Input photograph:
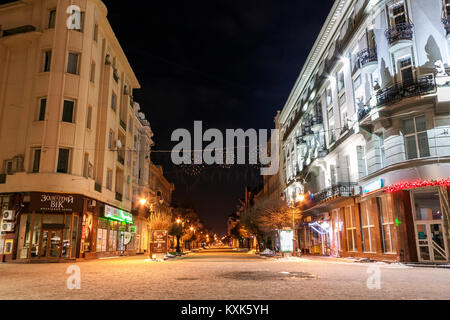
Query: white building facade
[{"x": 366, "y": 133}]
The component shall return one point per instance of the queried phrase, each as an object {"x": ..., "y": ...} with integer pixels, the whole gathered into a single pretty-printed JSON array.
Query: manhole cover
[
  {"x": 266, "y": 275},
  {"x": 186, "y": 279}
]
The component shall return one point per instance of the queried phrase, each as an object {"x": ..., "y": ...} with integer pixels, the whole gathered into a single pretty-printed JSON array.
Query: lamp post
[
  {"x": 300, "y": 198},
  {"x": 145, "y": 203}
]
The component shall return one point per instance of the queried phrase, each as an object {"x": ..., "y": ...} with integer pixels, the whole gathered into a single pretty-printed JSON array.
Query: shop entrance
[
  {"x": 429, "y": 227},
  {"x": 51, "y": 244},
  {"x": 431, "y": 245}
]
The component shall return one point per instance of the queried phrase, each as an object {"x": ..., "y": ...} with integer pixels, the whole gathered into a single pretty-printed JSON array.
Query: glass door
[
  {"x": 51, "y": 244},
  {"x": 429, "y": 227}
]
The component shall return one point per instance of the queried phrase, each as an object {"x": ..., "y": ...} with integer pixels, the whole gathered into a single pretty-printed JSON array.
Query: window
[
  {"x": 333, "y": 175},
  {"x": 341, "y": 83},
  {"x": 92, "y": 75},
  {"x": 329, "y": 95},
  {"x": 72, "y": 62},
  {"x": 110, "y": 139},
  {"x": 82, "y": 18},
  {"x": 362, "y": 164},
  {"x": 416, "y": 138},
  {"x": 63, "y": 161},
  {"x": 350, "y": 227},
  {"x": 406, "y": 69},
  {"x": 47, "y": 60},
  {"x": 9, "y": 167},
  {"x": 89, "y": 118},
  {"x": 52, "y": 19},
  {"x": 108, "y": 179},
  {"x": 387, "y": 224},
  {"x": 367, "y": 228},
  {"x": 86, "y": 165},
  {"x": 382, "y": 150},
  {"x": 42, "y": 107},
  {"x": 96, "y": 32},
  {"x": 36, "y": 160},
  {"x": 399, "y": 14},
  {"x": 68, "y": 110},
  {"x": 114, "y": 101}
]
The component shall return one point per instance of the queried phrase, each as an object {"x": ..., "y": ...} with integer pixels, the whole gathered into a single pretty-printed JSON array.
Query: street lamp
[{"x": 300, "y": 198}]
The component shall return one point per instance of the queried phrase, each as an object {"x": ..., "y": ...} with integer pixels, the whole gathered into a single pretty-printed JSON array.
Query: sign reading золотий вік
[
  {"x": 56, "y": 202},
  {"x": 190, "y": 151}
]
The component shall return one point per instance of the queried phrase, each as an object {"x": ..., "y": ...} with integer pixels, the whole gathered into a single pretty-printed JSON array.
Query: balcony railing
[
  {"x": 415, "y": 87},
  {"x": 118, "y": 196},
  {"x": 363, "y": 112},
  {"x": 401, "y": 31},
  {"x": 367, "y": 55},
  {"x": 344, "y": 189},
  {"x": 446, "y": 22}
]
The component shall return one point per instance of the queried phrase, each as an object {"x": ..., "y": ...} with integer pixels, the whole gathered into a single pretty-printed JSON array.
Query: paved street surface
[{"x": 222, "y": 274}]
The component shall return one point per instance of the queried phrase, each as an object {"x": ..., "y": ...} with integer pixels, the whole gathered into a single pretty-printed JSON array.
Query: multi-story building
[
  {"x": 67, "y": 120},
  {"x": 366, "y": 133}
]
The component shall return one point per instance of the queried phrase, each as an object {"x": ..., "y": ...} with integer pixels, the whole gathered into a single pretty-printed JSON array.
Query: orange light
[
  {"x": 301, "y": 197},
  {"x": 178, "y": 221},
  {"x": 143, "y": 201}
]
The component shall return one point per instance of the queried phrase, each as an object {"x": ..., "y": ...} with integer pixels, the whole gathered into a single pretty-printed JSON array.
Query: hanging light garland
[{"x": 418, "y": 184}]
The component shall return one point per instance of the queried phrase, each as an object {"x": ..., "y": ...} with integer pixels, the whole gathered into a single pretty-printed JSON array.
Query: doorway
[
  {"x": 429, "y": 227},
  {"x": 51, "y": 244}
]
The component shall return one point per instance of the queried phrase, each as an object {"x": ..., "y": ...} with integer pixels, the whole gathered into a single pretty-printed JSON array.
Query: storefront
[
  {"x": 51, "y": 228},
  {"x": 115, "y": 233}
]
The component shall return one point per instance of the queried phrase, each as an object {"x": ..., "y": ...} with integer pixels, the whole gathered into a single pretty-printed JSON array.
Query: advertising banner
[{"x": 286, "y": 241}]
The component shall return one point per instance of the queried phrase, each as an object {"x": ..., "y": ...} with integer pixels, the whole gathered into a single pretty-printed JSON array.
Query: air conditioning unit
[
  {"x": 8, "y": 215},
  {"x": 7, "y": 226}
]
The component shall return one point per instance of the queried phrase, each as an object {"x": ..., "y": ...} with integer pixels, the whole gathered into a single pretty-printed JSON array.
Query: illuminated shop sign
[
  {"x": 118, "y": 215},
  {"x": 286, "y": 241},
  {"x": 373, "y": 186}
]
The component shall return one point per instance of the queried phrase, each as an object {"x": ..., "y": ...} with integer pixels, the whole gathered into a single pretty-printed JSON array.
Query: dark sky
[{"x": 229, "y": 63}]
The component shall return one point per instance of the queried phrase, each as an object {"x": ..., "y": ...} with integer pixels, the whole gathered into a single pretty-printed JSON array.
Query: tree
[
  {"x": 267, "y": 216},
  {"x": 176, "y": 230},
  {"x": 160, "y": 221}
]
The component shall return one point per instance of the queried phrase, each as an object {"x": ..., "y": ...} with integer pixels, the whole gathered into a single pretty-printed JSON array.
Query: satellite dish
[{"x": 119, "y": 144}]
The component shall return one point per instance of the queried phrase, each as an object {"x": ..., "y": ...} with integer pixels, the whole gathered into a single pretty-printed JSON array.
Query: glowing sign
[
  {"x": 118, "y": 215},
  {"x": 373, "y": 186},
  {"x": 286, "y": 241}
]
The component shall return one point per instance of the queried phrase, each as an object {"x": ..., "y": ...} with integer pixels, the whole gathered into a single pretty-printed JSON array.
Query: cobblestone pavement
[{"x": 223, "y": 275}]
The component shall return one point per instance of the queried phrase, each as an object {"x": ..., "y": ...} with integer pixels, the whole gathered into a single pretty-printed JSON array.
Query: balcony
[
  {"x": 363, "y": 111},
  {"x": 307, "y": 133},
  {"x": 343, "y": 189},
  {"x": 446, "y": 22},
  {"x": 368, "y": 59},
  {"x": 301, "y": 141},
  {"x": 118, "y": 196},
  {"x": 400, "y": 36},
  {"x": 316, "y": 123},
  {"x": 415, "y": 87}
]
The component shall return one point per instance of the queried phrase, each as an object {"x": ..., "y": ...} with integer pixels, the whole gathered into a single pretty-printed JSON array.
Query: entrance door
[
  {"x": 429, "y": 227},
  {"x": 431, "y": 246},
  {"x": 51, "y": 244}
]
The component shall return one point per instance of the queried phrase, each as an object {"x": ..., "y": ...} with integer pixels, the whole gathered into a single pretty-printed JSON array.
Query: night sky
[{"x": 230, "y": 64}]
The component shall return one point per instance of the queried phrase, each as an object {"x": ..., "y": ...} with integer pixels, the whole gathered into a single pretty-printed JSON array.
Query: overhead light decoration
[{"x": 418, "y": 184}]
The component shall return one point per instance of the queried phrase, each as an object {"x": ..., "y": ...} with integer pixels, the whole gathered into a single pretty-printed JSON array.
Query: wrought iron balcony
[
  {"x": 363, "y": 112},
  {"x": 316, "y": 123},
  {"x": 415, "y": 87},
  {"x": 368, "y": 56},
  {"x": 301, "y": 140},
  {"x": 401, "y": 31},
  {"x": 446, "y": 22},
  {"x": 343, "y": 189}
]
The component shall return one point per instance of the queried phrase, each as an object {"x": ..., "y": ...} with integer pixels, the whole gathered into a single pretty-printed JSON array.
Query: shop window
[
  {"x": 367, "y": 228},
  {"x": 386, "y": 224},
  {"x": 63, "y": 161},
  {"x": 42, "y": 108},
  {"x": 427, "y": 206},
  {"x": 68, "y": 111},
  {"x": 350, "y": 227},
  {"x": 416, "y": 138}
]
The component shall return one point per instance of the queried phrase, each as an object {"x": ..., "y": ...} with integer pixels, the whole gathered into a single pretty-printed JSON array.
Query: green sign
[
  {"x": 133, "y": 229},
  {"x": 118, "y": 215}
]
